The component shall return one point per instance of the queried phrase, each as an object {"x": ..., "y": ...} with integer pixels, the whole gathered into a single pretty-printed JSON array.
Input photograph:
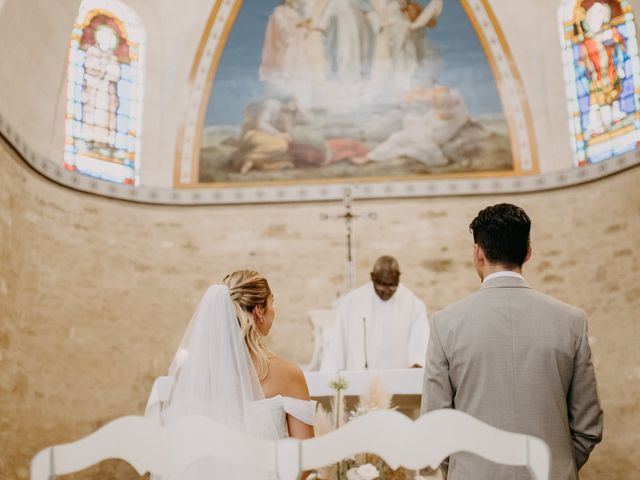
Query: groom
[{"x": 513, "y": 357}]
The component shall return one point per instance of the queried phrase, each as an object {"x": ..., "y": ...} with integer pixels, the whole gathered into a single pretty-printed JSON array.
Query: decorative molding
[
  {"x": 314, "y": 193},
  {"x": 201, "y": 79},
  {"x": 508, "y": 82}
]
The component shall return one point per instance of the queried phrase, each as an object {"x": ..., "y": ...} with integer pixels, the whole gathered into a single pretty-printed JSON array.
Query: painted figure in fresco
[
  {"x": 370, "y": 48},
  {"x": 421, "y": 19},
  {"x": 100, "y": 95},
  {"x": 277, "y": 137},
  {"x": 424, "y": 132},
  {"x": 603, "y": 58},
  {"x": 282, "y": 53},
  {"x": 294, "y": 60},
  {"x": 355, "y": 82},
  {"x": 314, "y": 58},
  {"x": 401, "y": 40},
  {"x": 349, "y": 37},
  {"x": 401, "y": 45},
  {"x": 266, "y": 135}
]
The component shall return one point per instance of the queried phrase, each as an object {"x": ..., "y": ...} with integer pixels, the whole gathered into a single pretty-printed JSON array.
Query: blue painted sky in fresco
[{"x": 464, "y": 64}]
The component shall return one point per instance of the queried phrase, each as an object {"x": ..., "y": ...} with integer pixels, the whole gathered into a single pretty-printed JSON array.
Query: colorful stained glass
[
  {"x": 602, "y": 78},
  {"x": 104, "y": 78}
]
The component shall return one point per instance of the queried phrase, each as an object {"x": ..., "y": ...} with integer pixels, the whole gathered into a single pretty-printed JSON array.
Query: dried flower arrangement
[{"x": 363, "y": 466}]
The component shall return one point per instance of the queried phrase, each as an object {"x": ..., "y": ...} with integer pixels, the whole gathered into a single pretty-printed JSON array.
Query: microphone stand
[{"x": 366, "y": 361}]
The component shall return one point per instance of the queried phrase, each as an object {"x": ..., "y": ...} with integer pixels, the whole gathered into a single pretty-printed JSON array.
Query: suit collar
[{"x": 505, "y": 282}]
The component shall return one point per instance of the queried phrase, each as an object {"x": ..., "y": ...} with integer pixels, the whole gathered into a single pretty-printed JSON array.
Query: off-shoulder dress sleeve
[{"x": 303, "y": 410}]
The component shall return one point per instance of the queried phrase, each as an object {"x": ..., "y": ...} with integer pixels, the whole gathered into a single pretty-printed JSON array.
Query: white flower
[
  {"x": 340, "y": 383},
  {"x": 368, "y": 472},
  {"x": 363, "y": 472},
  {"x": 359, "y": 411}
]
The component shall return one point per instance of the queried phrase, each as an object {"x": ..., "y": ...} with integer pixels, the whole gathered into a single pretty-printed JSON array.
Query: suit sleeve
[
  {"x": 418, "y": 335},
  {"x": 437, "y": 391},
  {"x": 583, "y": 404}
]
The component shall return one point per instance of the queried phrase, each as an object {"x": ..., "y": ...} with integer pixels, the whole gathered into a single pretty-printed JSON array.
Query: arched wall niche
[
  {"x": 32, "y": 110},
  {"x": 489, "y": 42},
  {"x": 538, "y": 62}
]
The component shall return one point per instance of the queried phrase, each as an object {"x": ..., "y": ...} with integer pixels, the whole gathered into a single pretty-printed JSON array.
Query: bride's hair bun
[{"x": 249, "y": 289}]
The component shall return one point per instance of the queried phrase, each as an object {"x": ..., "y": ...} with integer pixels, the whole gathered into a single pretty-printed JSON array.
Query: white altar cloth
[{"x": 397, "y": 382}]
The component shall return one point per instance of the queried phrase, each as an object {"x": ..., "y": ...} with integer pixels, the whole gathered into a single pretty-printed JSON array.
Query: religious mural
[
  {"x": 326, "y": 89},
  {"x": 103, "y": 108},
  {"x": 602, "y": 71}
]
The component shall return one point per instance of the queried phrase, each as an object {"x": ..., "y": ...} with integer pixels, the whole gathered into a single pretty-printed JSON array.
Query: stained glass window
[
  {"x": 104, "y": 92},
  {"x": 602, "y": 78}
]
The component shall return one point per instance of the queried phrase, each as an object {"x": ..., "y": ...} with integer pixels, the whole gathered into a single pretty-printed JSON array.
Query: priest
[{"x": 380, "y": 325}]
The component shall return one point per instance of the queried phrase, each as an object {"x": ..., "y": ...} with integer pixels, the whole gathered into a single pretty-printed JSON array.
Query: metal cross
[{"x": 349, "y": 217}]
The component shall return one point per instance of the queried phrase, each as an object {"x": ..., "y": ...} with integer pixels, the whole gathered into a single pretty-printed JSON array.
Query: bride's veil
[{"x": 215, "y": 377}]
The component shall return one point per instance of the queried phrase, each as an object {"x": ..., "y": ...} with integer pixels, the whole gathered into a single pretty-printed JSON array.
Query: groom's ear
[{"x": 528, "y": 257}]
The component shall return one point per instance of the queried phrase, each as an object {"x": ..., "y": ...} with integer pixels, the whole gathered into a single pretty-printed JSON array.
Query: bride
[{"x": 223, "y": 371}]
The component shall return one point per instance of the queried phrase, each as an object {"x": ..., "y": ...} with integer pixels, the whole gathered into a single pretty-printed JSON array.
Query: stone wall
[{"x": 95, "y": 293}]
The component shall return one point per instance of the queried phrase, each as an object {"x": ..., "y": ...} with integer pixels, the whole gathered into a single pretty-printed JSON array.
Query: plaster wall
[{"x": 95, "y": 293}]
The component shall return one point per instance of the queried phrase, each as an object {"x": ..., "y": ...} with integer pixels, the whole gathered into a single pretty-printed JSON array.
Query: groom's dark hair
[{"x": 502, "y": 231}]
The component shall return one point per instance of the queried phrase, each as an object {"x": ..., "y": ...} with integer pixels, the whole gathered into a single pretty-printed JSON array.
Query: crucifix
[{"x": 349, "y": 217}]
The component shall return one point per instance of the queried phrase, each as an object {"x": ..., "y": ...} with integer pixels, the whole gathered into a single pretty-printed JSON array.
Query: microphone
[{"x": 366, "y": 361}]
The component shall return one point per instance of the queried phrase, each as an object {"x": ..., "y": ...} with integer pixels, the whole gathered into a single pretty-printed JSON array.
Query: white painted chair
[
  {"x": 426, "y": 442},
  {"x": 166, "y": 450},
  {"x": 401, "y": 442}
]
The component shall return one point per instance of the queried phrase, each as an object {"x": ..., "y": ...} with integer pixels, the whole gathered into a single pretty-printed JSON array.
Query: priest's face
[{"x": 385, "y": 283}]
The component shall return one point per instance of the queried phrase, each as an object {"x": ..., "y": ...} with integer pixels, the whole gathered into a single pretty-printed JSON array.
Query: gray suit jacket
[{"x": 520, "y": 361}]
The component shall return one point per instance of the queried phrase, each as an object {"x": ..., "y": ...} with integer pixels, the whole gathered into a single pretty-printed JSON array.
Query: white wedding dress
[
  {"x": 276, "y": 408},
  {"x": 279, "y": 407},
  {"x": 212, "y": 375}
]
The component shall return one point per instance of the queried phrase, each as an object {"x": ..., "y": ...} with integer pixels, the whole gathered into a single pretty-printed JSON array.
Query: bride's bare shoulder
[{"x": 287, "y": 378}]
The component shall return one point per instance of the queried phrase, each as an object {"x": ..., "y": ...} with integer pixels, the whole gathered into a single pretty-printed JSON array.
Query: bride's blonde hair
[{"x": 249, "y": 289}]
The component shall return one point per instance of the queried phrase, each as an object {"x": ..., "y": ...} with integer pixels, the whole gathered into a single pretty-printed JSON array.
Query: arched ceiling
[{"x": 34, "y": 40}]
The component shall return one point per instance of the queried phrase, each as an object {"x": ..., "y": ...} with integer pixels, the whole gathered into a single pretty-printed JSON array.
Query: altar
[{"x": 404, "y": 384}]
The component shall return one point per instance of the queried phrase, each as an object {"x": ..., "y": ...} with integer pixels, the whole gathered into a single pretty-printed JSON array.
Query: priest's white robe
[{"x": 373, "y": 334}]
